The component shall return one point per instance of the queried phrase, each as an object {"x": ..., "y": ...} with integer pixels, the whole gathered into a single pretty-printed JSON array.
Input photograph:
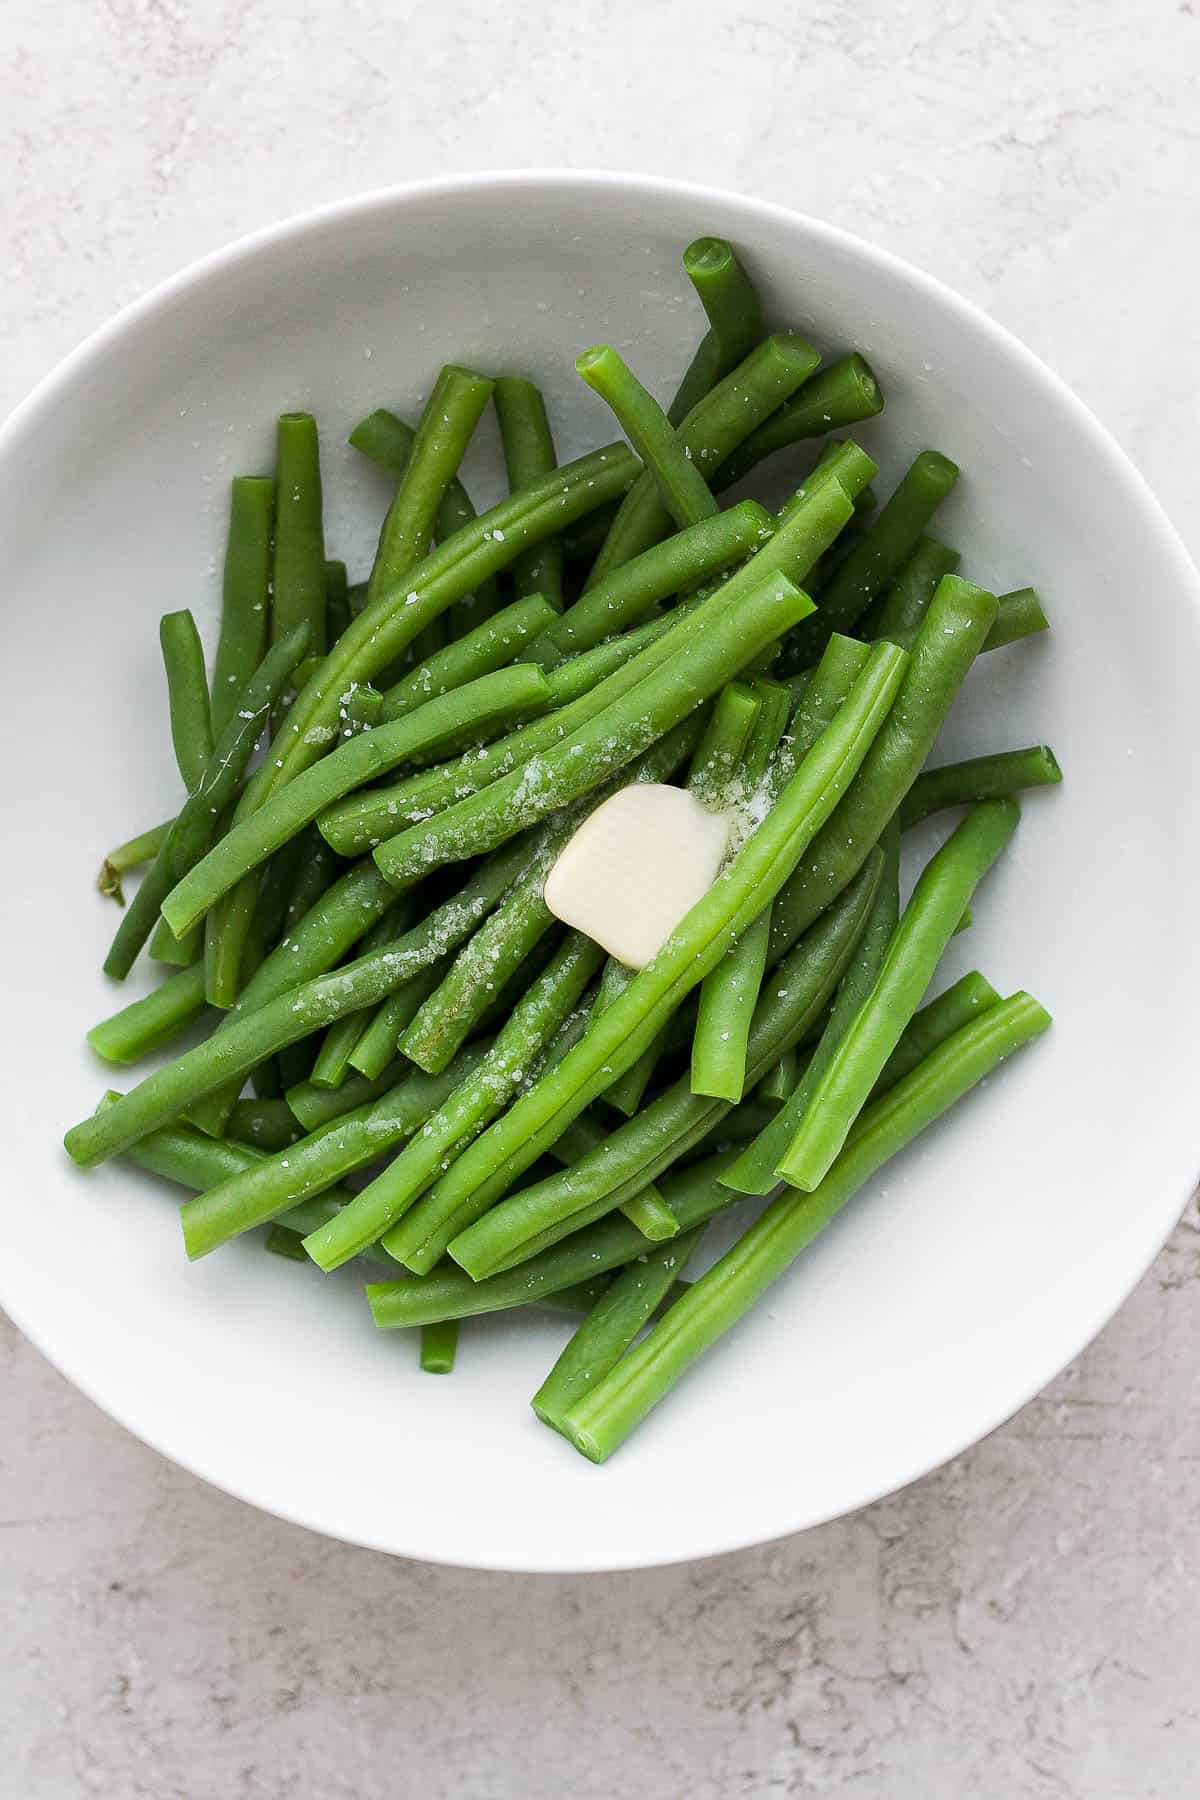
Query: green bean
[
  {"x": 979, "y": 778},
  {"x": 795, "y": 547},
  {"x": 451, "y": 414},
  {"x": 647, "y": 1209},
  {"x": 694, "y": 1195},
  {"x": 192, "y": 829},
  {"x": 165, "y": 947},
  {"x": 130, "y": 855},
  {"x": 153, "y": 1020},
  {"x": 749, "y": 884},
  {"x": 754, "y": 1171},
  {"x": 298, "y": 573},
  {"x": 879, "y": 554},
  {"x": 266, "y": 1125},
  {"x": 337, "y": 600},
  {"x": 734, "y": 317},
  {"x": 249, "y": 842},
  {"x": 271, "y": 1186},
  {"x": 1018, "y": 615},
  {"x": 951, "y": 633},
  {"x": 628, "y": 1091},
  {"x": 314, "y": 1105},
  {"x": 780, "y": 1079},
  {"x": 681, "y": 486},
  {"x": 439, "y": 1346},
  {"x": 729, "y": 993},
  {"x": 528, "y": 455},
  {"x": 492, "y": 644},
  {"x": 710, "y": 650},
  {"x": 719, "y": 753},
  {"x": 580, "y": 1297},
  {"x": 610, "y": 1327},
  {"x": 348, "y": 910},
  {"x": 314, "y": 876},
  {"x": 676, "y": 1121},
  {"x": 842, "y": 460},
  {"x": 694, "y": 554},
  {"x": 377, "y": 1043},
  {"x": 602, "y": 1419},
  {"x": 969, "y": 996},
  {"x": 187, "y": 694},
  {"x": 193, "y": 1159},
  {"x": 245, "y": 593},
  {"x": 242, "y": 1044},
  {"x": 580, "y": 674},
  {"x": 709, "y": 434},
  {"x": 282, "y": 1242},
  {"x": 907, "y": 600},
  {"x": 534, "y": 1021},
  {"x": 388, "y": 441},
  {"x": 844, "y": 1085},
  {"x": 843, "y": 394}
]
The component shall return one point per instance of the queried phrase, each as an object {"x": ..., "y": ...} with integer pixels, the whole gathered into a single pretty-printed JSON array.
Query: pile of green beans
[{"x": 380, "y": 1043}]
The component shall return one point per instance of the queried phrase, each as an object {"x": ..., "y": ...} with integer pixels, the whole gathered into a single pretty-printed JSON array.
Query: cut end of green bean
[{"x": 707, "y": 256}]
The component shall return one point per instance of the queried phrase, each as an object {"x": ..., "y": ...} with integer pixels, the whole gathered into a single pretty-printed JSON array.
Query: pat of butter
[{"x": 636, "y": 866}]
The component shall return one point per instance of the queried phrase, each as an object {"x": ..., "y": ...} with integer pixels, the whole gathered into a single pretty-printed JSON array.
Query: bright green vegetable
[
  {"x": 245, "y": 593},
  {"x": 153, "y": 1020},
  {"x": 748, "y": 885},
  {"x": 298, "y": 572},
  {"x": 255, "y": 837},
  {"x": 497, "y": 641},
  {"x": 907, "y": 600},
  {"x": 734, "y": 317},
  {"x": 192, "y": 830},
  {"x": 600, "y": 1421},
  {"x": 712, "y": 644},
  {"x": 534, "y": 1021},
  {"x": 529, "y": 455},
  {"x": 979, "y": 778},
  {"x": 843, "y": 394},
  {"x": 130, "y": 855},
  {"x": 1018, "y": 615},
  {"x": 439, "y": 1345},
  {"x": 451, "y": 414},
  {"x": 187, "y": 694},
  {"x": 610, "y": 1327},
  {"x": 681, "y": 486},
  {"x": 928, "y": 923}
]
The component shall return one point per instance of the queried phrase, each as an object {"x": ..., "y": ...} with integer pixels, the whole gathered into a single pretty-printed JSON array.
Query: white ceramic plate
[{"x": 972, "y": 1270}]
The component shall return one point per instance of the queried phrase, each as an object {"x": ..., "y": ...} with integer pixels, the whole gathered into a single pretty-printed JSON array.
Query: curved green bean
[
  {"x": 601, "y": 1420},
  {"x": 130, "y": 855},
  {"x": 734, "y": 317}
]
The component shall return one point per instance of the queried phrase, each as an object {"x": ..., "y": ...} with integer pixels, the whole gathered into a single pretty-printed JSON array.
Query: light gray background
[{"x": 1026, "y": 1623}]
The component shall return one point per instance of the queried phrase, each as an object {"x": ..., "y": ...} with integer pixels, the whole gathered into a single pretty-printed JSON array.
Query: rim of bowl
[{"x": 298, "y": 225}]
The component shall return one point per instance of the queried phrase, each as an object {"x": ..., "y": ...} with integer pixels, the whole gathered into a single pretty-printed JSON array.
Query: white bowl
[{"x": 972, "y": 1270}]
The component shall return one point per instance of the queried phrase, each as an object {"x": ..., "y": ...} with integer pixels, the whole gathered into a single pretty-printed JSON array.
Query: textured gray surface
[{"x": 1022, "y": 1624}]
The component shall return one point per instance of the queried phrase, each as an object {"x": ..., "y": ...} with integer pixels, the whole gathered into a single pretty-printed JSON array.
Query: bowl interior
[{"x": 971, "y": 1270}]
